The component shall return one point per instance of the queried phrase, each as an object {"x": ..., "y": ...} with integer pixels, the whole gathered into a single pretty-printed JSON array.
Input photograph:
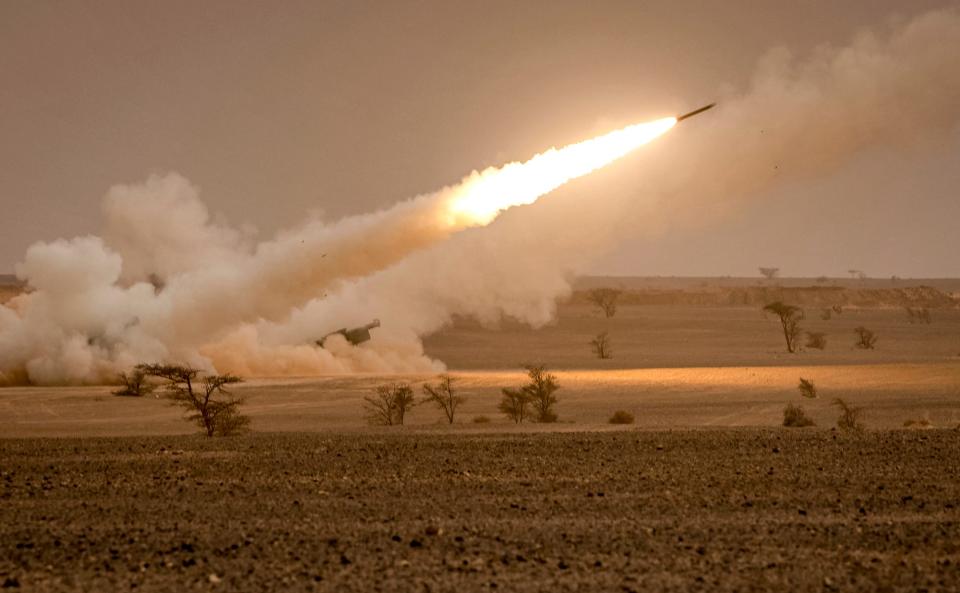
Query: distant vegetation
[
  {"x": 536, "y": 398},
  {"x": 790, "y": 317},
  {"x": 816, "y": 340},
  {"x": 444, "y": 396},
  {"x": 849, "y": 420},
  {"x": 601, "y": 346},
  {"x": 866, "y": 339},
  {"x": 390, "y": 404},
  {"x": 605, "y": 299},
  {"x": 807, "y": 388},
  {"x": 135, "y": 384},
  {"x": 918, "y": 315},
  {"x": 621, "y": 417},
  {"x": 769, "y": 273},
  {"x": 206, "y": 401}
]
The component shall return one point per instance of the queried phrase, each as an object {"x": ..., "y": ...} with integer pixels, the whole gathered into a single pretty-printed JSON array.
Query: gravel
[{"x": 703, "y": 510}]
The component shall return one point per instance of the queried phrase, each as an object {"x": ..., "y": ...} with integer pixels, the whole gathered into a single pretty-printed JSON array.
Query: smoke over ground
[{"x": 230, "y": 304}]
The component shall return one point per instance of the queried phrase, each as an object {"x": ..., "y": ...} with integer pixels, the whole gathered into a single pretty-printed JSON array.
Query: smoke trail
[
  {"x": 82, "y": 324},
  {"x": 810, "y": 116}
]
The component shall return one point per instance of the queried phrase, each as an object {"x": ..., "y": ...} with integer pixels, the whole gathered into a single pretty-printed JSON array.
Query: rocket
[{"x": 680, "y": 118}]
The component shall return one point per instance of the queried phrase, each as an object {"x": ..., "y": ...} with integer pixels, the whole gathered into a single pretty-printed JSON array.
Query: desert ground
[{"x": 705, "y": 491}]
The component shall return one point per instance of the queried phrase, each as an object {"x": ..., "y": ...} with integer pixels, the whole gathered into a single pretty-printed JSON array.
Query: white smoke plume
[
  {"x": 89, "y": 316},
  {"x": 799, "y": 117},
  {"x": 229, "y": 304}
]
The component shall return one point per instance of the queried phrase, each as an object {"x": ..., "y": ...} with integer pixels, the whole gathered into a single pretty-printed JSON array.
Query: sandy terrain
[{"x": 673, "y": 366}]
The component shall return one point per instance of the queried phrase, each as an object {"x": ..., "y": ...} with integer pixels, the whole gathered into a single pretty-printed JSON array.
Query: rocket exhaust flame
[{"x": 517, "y": 184}]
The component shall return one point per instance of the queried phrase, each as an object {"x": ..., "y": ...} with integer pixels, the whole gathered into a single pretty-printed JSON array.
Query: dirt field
[
  {"x": 704, "y": 492},
  {"x": 619, "y": 511}
]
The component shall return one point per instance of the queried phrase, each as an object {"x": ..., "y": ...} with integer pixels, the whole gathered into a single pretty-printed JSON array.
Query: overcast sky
[{"x": 281, "y": 109}]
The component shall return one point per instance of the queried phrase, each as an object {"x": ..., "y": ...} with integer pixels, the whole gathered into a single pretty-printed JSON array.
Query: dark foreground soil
[{"x": 623, "y": 511}]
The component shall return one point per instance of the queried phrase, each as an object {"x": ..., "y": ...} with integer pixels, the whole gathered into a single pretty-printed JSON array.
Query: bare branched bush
[
  {"x": 769, "y": 273},
  {"x": 206, "y": 401},
  {"x": 444, "y": 396},
  {"x": 605, "y": 299},
  {"x": 621, "y": 417},
  {"x": 135, "y": 384},
  {"x": 807, "y": 388},
  {"x": 601, "y": 346},
  {"x": 390, "y": 404},
  {"x": 816, "y": 340},
  {"x": 866, "y": 339},
  {"x": 795, "y": 417},
  {"x": 514, "y": 404},
  {"x": 849, "y": 419},
  {"x": 790, "y": 317}
]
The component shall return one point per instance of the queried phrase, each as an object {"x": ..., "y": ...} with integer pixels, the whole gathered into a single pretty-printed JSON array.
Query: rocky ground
[{"x": 619, "y": 511}]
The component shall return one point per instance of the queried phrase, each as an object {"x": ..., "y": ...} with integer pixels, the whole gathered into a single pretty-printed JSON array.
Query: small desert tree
[
  {"x": 541, "y": 388},
  {"x": 769, "y": 273},
  {"x": 135, "y": 383},
  {"x": 866, "y": 339},
  {"x": 605, "y": 299},
  {"x": 444, "y": 396},
  {"x": 206, "y": 401},
  {"x": 790, "y": 317},
  {"x": 849, "y": 419},
  {"x": 601, "y": 346},
  {"x": 514, "y": 404},
  {"x": 390, "y": 404}
]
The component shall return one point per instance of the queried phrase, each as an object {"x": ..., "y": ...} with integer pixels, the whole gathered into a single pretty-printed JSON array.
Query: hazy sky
[{"x": 279, "y": 109}]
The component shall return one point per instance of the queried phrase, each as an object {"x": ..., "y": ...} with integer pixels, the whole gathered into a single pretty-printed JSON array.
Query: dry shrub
[
  {"x": 390, "y": 404},
  {"x": 922, "y": 423},
  {"x": 135, "y": 384},
  {"x": 807, "y": 388},
  {"x": 444, "y": 396},
  {"x": 865, "y": 338},
  {"x": 849, "y": 419},
  {"x": 481, "y": 420},
  {"x": 605, "y": 299},
  {"x": 601, "y": 346},
  {"x": 816, "y": 340},
  {"x": 795, "y": 417},
  {"x": 621, "y": 417}
]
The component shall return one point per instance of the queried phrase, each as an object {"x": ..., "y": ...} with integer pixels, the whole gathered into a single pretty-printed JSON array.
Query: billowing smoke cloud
[{"x": 255, "y": 309}]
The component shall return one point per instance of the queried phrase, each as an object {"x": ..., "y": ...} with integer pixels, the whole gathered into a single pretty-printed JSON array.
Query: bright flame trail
[{"x": 485, "y": 194}]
